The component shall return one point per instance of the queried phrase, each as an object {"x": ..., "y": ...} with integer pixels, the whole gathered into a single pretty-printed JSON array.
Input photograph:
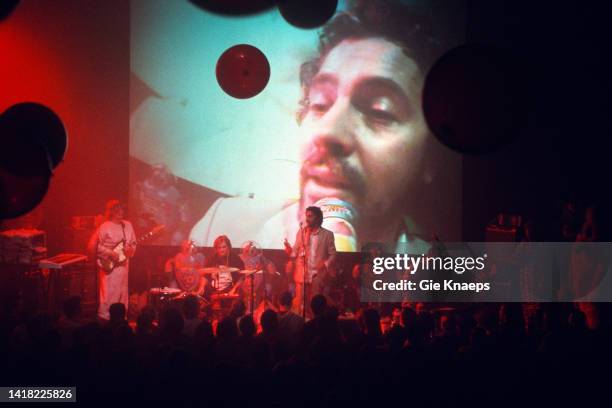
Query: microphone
[{"x": 339, "y": 216}]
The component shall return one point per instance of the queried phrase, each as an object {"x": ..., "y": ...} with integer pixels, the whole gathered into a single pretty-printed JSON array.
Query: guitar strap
[{"x": 123, "y": 231}]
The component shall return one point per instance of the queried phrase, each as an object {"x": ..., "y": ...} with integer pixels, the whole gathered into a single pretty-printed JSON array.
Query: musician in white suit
[{"x": 113, "y": 265}]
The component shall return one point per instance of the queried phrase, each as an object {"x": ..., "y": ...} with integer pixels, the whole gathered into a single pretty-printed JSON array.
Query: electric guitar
[{"x": 108, "y": 264}]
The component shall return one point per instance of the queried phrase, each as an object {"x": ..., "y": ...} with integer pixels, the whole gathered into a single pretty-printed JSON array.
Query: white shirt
[
  {"x": 225, "y": 279},
  {"x": 111, "y": 233},
  {"x": 312, "y": 255}
]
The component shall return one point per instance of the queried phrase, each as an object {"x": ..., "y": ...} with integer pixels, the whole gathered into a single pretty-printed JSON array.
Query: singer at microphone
[{"x": 314, "y": 253}]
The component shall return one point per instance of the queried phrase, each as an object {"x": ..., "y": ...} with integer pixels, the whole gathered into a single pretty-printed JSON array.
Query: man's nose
[{"x": 334, "y": 131}]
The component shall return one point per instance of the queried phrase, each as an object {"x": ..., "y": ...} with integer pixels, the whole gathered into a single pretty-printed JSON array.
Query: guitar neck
[{"x": 149, "y": 234}]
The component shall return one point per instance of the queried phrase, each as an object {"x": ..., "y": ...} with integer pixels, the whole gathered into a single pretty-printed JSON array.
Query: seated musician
[
  {"x": 254, "y": 259},
  {"x": 184, "y": 269},
  {"x": 223, "y": 258}
]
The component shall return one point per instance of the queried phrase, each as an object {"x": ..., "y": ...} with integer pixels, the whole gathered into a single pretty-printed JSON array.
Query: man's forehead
[{"x": 354, "y": 59}]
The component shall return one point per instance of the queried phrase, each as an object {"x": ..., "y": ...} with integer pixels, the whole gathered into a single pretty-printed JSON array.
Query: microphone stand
[
  {"x": 304, "y": 272},
  {"x": 252, "y": 292}
]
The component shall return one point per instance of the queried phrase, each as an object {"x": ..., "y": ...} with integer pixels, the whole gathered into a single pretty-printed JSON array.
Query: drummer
[
  {"x": 184, "y": 269},
  {"x": 226, "y": 279}
]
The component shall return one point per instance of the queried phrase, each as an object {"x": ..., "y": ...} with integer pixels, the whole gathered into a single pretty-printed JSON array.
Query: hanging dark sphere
[
  {"x": 307, "y": 14},
  {"x": 33, "y": 141},
  {"x": 7, "y": 7},
  {"x": 33, "y": 137},
  {"x": 234, "y": 7},
  {"x": 20, "y": 195},
  {"x": 474, "y": 98},
  {"x": 243, "y": 71}
]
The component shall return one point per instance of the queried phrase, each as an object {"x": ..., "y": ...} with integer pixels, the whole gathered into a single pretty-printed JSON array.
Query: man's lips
[
  {"x": 325, "y": 177},
  {"x": 313, "y": 191}
]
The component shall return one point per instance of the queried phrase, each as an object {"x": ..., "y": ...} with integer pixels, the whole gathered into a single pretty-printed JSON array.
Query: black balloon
[
  {"x": 7, "y": 7},
  {"x": 20, "y": 195},
  {"x": 31, "y": 128},
  {"x": 234, "y": 7},
  {"x": 33, "y": 142},
  {"x": 307, "y": 14},
  {"x": 473, "y": 98}
]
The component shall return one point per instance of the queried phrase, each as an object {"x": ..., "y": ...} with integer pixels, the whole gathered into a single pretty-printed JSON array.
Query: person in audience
[
  {"x": 205, "y": 344},
  {"x": 191, "y": 309},
  {"x": 238, "y": 309},
  {"x": 289, "y": 323},
  {"x": 589, "y": 264},
  {"x": 70, "y": 320},
  {"x": 117, "y": 313},
  {"x": 318, "y": 304},
  {"x": 370, "y": 323},
  {"x": 171, "y": 326}
]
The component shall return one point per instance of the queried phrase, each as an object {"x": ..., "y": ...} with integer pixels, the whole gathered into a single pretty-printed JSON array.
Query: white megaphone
[{"x": 339, "y": 217}]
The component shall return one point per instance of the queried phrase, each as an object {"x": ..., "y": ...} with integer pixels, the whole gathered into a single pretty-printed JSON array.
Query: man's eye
[
  {"x": 381, "y": 116},
  {"x": 377, "y": 110}
]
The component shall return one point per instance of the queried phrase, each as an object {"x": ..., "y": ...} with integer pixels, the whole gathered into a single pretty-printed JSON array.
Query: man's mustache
[{"x": 340, "y": 167}]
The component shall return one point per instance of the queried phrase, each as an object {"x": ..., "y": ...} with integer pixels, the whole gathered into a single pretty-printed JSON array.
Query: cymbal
[
  {"x": 165, "y": 291},
  {"x": 214, "y": 270},
  {"x": 250, "y": 271}
]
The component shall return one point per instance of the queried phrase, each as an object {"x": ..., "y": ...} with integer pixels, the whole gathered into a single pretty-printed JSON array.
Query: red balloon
[{"x": 243, "y": 71}]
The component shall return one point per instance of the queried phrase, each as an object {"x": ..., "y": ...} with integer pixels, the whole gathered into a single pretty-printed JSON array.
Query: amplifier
[{"x": 72, "y": 280}]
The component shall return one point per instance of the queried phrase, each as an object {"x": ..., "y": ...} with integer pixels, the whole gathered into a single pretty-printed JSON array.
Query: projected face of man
[{"x": 363, "y": 130}]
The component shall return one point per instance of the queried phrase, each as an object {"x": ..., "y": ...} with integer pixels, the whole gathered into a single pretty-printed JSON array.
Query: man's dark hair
[
  {"x": 190, "y": 307},
  {"x": 318, "y": 303},
  {"x": 171, "y": 322},
  {"x": 247, "y": 326},
  {"x": 371, "y": 322},
  {"x": 269, "y": 321},
  {"x": 317, "y": 212},
  {"x": 285, "y": 299},
  {"x": 227, "y": 329},
  {"x": 238, "y": 309},
  {"x": 144, "y": 322},
  {"x": 406, "y": 26},
  {"x": 222, "y": 239},
  {"x": 367, "y": 248},
  {"x": 117, "y": 311}
]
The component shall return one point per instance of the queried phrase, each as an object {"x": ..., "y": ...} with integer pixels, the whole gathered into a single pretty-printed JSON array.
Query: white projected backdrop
[{"x": 234, "y": 146}]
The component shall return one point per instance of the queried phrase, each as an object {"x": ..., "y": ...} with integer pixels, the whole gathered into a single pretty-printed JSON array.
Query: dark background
[{"x": 562, "y": 150}]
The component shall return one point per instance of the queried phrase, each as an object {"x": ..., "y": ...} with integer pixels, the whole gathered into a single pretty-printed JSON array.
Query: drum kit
[{"x": 161, "y": 297}]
